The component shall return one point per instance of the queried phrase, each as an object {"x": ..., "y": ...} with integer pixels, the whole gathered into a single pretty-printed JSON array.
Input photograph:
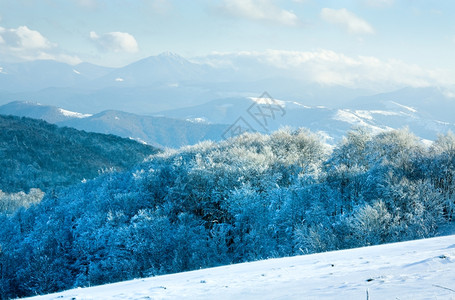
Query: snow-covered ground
[
  {"x": 72, "y": 114},
  {"x": 423, "y": 269}
]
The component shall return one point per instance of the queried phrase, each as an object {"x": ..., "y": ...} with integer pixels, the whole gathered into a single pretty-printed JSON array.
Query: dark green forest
[
  {"x": 247, "y": 198},
  {"x": 36, "y": 154}
]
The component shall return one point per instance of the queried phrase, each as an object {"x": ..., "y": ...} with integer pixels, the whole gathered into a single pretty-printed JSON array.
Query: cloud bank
[
  {"x": 23, "y": 43},
  {"x": 327, "y": 67},
  {"x": 115, "y": 42}
]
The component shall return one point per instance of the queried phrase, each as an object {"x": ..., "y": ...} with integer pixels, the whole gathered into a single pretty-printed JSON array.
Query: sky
[{"x": 394, "y": 35}]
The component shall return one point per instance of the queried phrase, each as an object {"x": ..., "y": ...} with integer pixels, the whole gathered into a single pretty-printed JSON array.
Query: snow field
[{"x": 422, "y": 269}]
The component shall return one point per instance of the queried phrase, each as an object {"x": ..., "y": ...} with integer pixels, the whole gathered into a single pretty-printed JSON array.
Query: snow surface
[
  {"x": 73, "y": 114},
  {"x": 423, "y": 269},
  {"x": 197, "y": 120},
  {"x": 367, "y": 114},
  {"x": 139, "y": 140},
  {"x": 404, "y": 106},
  {"x": 265, "y": 100}
]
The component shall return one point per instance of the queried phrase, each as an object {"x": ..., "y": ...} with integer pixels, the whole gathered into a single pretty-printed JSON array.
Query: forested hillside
[
  {"x": 36, "y": 154},
  {"x": 248, "y": 198},
  {"x": 157, "y": 131}
]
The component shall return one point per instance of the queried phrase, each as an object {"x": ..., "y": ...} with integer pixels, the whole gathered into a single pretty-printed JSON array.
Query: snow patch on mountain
[
  {"x": 139, "y": 140},
  {"x": 369, "y": 114},
  {"x": 345, "y": 115},
  {"x": 442, "y": 123},
  {"x": 283, "y": 103},
  {"x": 197, "y": 120},
  {"x": 300, "y": 104},
  {"x": 72, "y": 114},
  {"x": 265, "y": 100},
  {"x": 404, "y": 106},
  {"x": 361, "y": 118}
]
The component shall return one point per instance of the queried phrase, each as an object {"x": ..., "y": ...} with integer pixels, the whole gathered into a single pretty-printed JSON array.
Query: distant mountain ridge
[
  {"x": 156, "y": 83},
  {"x": 169, "y": 81},
  {"x": 39, "y": 74},
  {"x": 212, "y": 120},
  {"x": 167, "y": 68},
  {"x": 35, "y": 110},
  {"x": 413, "y": 108},
  {"x": 156, "y": 131},
  {"x": 171, "y": 86},
  {"x": 431, "y": 102}
]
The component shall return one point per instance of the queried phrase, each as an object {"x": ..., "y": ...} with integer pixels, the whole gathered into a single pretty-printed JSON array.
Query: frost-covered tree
[{"x": 247, "y": 198}]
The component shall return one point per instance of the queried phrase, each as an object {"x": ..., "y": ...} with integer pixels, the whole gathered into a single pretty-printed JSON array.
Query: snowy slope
[
  {"x": 158, "y": 131},
  {"x": 35, "y": 110},
  {"x": 333, "y": 122},
  {"x": 423, "y": 269}
]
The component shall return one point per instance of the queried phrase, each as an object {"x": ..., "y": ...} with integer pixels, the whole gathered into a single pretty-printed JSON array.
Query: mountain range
[
  {"x": 410, "y": 107},
  {"x": 157, "y": 131},
  {"x": 156, "y": 83},
  {"x": 218, "y": 119},
  {"x": 169, "y": 101}
]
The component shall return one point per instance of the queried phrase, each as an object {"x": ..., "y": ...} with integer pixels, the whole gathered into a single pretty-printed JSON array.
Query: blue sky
[{"x": 415, "y": 34}]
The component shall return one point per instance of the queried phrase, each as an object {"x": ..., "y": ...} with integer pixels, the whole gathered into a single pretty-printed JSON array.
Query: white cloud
[
  {"x": 23, "y": 43},
  {"x": 332, "y": 68},
  {"x": 115, "y": 42},
  {"x": 259, "y": 10},
  {"x": 348, "y": 20},
  {"x": 23, "y": 38}
]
